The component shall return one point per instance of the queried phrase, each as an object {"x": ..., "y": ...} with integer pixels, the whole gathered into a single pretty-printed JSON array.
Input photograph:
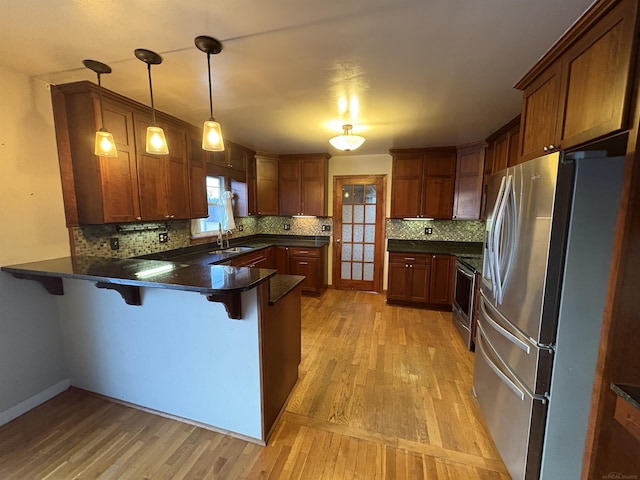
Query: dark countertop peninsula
[{"x": 205, "y": 279}]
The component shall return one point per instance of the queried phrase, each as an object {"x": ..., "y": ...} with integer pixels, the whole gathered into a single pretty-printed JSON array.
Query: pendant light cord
[
  {"x": 210, "y": 88},
  {"x": 153, "y": 110},
  {"x": 101, "y": 109}
]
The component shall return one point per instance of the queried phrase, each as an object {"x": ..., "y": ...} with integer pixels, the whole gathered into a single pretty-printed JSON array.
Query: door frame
[{"x": 381, "y": 202}]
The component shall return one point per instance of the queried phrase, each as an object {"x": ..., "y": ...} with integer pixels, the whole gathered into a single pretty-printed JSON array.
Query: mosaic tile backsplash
[
  {"x": 95, "y": 240},
  {"x": 444, "y": 230}
]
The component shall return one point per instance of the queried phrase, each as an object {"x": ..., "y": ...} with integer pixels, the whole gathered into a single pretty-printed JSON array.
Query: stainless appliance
[
  {"x": 549, "y": 236},
  {"x": 463, "y": 300}
]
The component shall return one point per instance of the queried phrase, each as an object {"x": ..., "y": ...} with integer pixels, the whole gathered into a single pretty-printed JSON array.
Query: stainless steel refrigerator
[{"x": 549, "y": 237}]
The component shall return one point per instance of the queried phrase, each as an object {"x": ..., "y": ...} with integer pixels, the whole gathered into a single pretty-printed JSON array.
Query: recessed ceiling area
[{"x": 405, "y": 73}]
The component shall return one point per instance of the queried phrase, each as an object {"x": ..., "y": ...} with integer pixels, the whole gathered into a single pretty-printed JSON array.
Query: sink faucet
[
  {"x": 226, "y": 233},
  {"x": 220, "y": 241}
]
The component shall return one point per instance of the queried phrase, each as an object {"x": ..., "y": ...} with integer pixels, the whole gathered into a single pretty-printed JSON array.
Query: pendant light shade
[
  {"x": 104, "y": 145},
  {"x": 211, "y": 132},
  {"x": 156, "y": 141},
  {"x": 347, "y": 141}
]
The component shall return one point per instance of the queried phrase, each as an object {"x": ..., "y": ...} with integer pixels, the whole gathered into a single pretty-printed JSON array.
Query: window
[{"x": 202, "y": 227}]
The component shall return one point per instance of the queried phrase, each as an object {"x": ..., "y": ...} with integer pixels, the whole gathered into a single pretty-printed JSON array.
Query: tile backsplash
[
  {"x": 445, "y": 230},
  {"x": 95, "y": 240}
]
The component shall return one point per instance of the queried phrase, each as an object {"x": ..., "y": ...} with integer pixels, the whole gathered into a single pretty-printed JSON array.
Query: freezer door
[
  {"x": 514, "y": 416},
  {"x": 530, "y": 363}
]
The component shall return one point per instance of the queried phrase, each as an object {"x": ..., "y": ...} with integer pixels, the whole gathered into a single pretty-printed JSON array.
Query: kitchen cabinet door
[
  {"x": 397, "y": 284},
  {"x": 310, "y": 268},
  {"x": 406, "y": 185},
  {"x": 197, "y": 178},
  {"x": 540, "y": 113},
  {"x": 313, "y": 177},
  {"x": 266, "y": 185},
  {"x": 419, "y": 283},
  {"x": 441, "y": 279},
  {"x": 500, "y": 153},
  {"x": 177, "y": 172},
  {"x": 468, "y": 185},
  {"x": 289, "y": 186},
  {"x": 438, "y": 197},
  {"x": 281, "y": 259}
]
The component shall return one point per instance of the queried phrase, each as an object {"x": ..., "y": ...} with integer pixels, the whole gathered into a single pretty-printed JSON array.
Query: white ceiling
[{"x": 425, "y": 72}]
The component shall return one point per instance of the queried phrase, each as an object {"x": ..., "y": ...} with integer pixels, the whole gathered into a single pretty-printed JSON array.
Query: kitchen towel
[{"x": 228, "y": 222}]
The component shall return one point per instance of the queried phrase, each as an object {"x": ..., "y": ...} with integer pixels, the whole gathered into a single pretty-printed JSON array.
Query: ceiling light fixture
[
  {"x": 105, "y": 145},
  {"x": 156, "y": 141},
  {"x": 347, "y": 141},
  {"x": 211, "y": 132}
]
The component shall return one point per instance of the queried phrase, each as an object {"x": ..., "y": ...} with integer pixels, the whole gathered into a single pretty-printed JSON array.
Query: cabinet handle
[
  {"x": 304, "y": 251},
  {"x": 303, "y": 263},
  {"x": 409, "y": 258}
]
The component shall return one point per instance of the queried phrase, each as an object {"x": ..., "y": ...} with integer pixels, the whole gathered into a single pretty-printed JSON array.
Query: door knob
[{"x": 337, "y": 240}]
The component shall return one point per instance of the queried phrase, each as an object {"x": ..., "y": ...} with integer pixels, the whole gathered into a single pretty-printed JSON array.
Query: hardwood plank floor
[{"x": 384, "y": 393}]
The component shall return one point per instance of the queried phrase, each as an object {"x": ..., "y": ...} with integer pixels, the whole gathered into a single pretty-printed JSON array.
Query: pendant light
[
  {"x": 105, "y": 145},
  {"x": 211, "y": 133},
  {"x": 156, "y": 141},
  {"x": 347, "y": 141}
]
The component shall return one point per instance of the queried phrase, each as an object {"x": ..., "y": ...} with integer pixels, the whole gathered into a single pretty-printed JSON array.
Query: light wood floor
[{"x": 384, "y": 393}]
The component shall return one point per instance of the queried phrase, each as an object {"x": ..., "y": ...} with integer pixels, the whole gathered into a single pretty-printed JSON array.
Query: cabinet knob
[
  {"x": 406, "y": 266},
  {"x": 138, "y": 218}
]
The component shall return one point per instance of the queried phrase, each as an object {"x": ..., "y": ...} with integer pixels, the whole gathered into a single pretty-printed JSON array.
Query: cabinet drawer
[
  {"x": 414, "y": 258},
  {"x": 250, "y": 259},
  {"x": 304, "y": 252}
]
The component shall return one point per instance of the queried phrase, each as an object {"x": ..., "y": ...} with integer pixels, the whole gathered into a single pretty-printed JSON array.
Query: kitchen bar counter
[{"x": 212, "y": 344}]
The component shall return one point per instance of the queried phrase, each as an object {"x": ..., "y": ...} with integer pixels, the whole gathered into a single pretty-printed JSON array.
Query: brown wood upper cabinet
[
  {"x": 580, "y": 90},
  {"x": 134, "y": 186},
  {"x": 197, "y": 175},
  {"x": 469, "y": 173},
  {"x": 302, "y": 184},
  {"x": 232, "y": 162},
  {"x": 163, "y": 180},
  {"x": 266, "y": 189},
  {"x": 422, "y": 182}
]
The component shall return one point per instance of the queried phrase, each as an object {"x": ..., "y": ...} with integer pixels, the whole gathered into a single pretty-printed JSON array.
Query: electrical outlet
[
  {"x": 428, "y": 230},
  {"x": 163, "y": 237},
  {"x": 115, "y": 243},
  {"x": 240, "y": 228},
  {"x": 326, "y": 228},
  {"x": 287, "y": 226}
]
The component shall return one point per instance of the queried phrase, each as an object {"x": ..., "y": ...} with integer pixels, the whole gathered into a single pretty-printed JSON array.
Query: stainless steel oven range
[{"x": 463, "y": 300}]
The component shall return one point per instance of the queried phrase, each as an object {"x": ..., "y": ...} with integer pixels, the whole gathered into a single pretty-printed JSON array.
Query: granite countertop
[
  {"x": 280, "y": 285},
  {"x": 631, "y": 393},
  {"x": 200, "y": 254},
  {"x": 475, "y": 263},
  {"x": 459, "y": 249},
  {"x": 206, "y": 279}
]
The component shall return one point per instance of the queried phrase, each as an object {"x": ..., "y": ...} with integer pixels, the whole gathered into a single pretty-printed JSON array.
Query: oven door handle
[{"x": 464, "y": 272}]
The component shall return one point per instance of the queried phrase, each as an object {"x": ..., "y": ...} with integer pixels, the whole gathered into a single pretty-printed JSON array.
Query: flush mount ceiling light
[
  {"x": 211, "y": 132},
  {"x": 156, "y": 141},
  {"x": 347, "y": 141},
  {"x": 105, "y": 145}
]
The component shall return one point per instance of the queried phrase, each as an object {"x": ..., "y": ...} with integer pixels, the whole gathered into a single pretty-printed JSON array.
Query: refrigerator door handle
[
  {"x": 501, "y": 241},
  {"x": 491, "y": 238},
  {"x": 507, "y": 381},
  {"x": 500, "y": 329}
]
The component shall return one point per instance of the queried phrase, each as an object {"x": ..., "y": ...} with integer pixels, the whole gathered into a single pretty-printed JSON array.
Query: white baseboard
[{"x": 32, "y": 402}]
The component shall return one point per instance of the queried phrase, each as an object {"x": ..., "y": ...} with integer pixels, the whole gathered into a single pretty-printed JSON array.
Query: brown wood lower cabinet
[
  {"x": 420, "y": 279},
  {"x": 309, "y": 262}
]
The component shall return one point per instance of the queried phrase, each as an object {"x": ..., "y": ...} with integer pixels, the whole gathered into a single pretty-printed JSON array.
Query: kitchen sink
[{"x": 231, "y": 250}]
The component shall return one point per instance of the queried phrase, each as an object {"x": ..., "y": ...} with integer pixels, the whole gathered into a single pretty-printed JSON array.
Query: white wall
[
  {"x": 360, "y": 165},
  {"x": 32, "y": 227}
]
